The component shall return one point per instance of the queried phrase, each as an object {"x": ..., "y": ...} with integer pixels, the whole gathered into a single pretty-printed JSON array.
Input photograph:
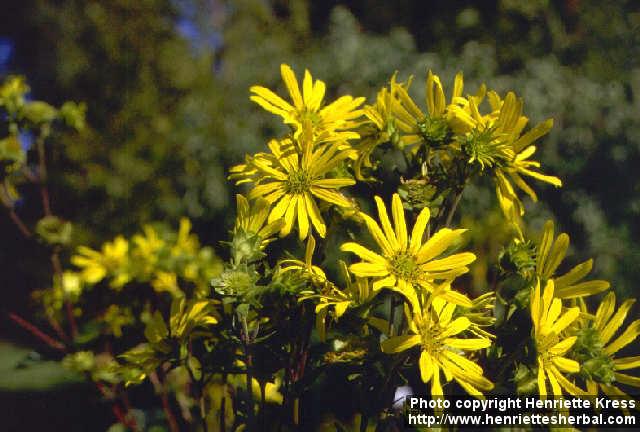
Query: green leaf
[
  {"x": 195, "y": 367},
  {"x": 156, "y": 329}
]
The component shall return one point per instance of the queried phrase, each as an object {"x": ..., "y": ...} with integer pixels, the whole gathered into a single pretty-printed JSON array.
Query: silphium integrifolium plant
[{"x": 347, "y": 267}]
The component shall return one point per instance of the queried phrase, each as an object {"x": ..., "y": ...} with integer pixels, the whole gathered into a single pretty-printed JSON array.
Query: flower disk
[
  {"x": 406, "y": 264},
  {"x": 291, "y": 177}
]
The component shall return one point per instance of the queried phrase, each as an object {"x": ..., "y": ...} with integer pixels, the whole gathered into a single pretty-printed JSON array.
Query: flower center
[
  {"x": 484, "y": 147},
  {"x": 310, "y": 120},
  {"x": 404, "y": 266},
  {"x": 430, "y": 338},
  {"x": 298, "y": 182},
  {"x": 435, "y": 131}
]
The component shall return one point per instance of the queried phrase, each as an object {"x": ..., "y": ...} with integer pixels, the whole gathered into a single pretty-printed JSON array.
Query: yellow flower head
[
  {"x": 331, "y": 122},
  {"x": 396, "y": 112},
  {"x": 442, "y": 348},
  {"x": 291, "y": 182},
  {"x": 306, "y": 267},
  {"x": 606, "y": 324},
  {"x": 252, "y": 219},
  {"x": 551, "y": 252},
  {"x": 186, "y": 242},
  {"x": 549, "y": 324},
  {"x": 508, "y": 122},
  {"x": 407, "y": 264},
  {"x": 112, "y": 261}
]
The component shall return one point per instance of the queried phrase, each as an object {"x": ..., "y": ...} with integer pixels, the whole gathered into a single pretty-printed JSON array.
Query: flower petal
[{"x": 399, "y": 343}]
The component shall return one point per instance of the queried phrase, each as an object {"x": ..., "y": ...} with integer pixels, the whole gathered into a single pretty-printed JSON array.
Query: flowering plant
[{"x": 347, "y": 266}]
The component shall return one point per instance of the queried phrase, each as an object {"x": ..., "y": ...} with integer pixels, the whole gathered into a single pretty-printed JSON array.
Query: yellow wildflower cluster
[
  {"x": 369, "y": 192},
  {"x": 303, "y": 174},
  {"x": 156, "y": 255},
  {"x": 570, "y": 340},
  {"x": 331, "y": 146},
  {"x": 422, "y": 274},
  {"x": 167, "y": 261},
  {"x": 492, "y": 142}
]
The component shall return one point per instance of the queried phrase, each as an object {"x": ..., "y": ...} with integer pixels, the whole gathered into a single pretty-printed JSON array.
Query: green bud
[
  {"x": 12, "y": 156},
  {"x": 246, "y": 247},
  {"x": 418, "y": 194},
  {"x": 518, "y": 257},
  {"x": 81, "y": 361},
  {"x": 54, "y": 230},
  {"x": 235, "y": 282},
  {"x": 39, "y": 112},
  {"x": 526, "y": 380},
  {"x": 595, "y": 363}
]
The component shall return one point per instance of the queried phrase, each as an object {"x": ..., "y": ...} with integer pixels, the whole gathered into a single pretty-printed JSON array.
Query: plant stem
[
  {"x": 42, "y": 175},
  {"x": 21, "y": 226},
  {"x": 263, "y": 386},
  {"x": 57, "y": 270},
  {"x": 117, "y": 411},
  {"x": 57, "y": 345},
  {"x": 223, "y": 403},
  {"x": 392, "y": 314},
  {"x": 249, "y": 365},
  {"x": 454, "y": 207},
  {"x": 159, "y": 388},
  {"x": 364, "y": 421}
]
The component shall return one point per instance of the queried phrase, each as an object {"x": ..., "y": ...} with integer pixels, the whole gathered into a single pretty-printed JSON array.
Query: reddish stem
[
  {"x": 129, "y": 422},
  {"x": 159, "y": 388},
  {"x": 37, "y": 332},
  {"x": 21, "y": 226},
  {"x": 56, "y": 326},
  {"x": 173, "y": 424},
  {"x": 46, "y": 202}
]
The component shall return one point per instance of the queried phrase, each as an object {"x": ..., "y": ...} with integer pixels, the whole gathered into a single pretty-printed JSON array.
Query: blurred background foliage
[{"x": 166, "y": 88}]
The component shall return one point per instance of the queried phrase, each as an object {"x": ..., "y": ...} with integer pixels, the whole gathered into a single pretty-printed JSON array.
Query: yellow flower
[
  {"x": 291, "y": 182},
  {"x": 111, "y": 261},
  {"x": 71, "y": 284},
  {"x": 396, "y": 115},
  {"x": 433, "y": 127},
  {"x": 509, "y": 123},
  {"x": 607, "y": 324},
  {"x": 435, "y": 331},
  {"x": 551, "y": 252},
  {"x": 166, "y": 281},
  {"x": 251, "y": 219},
  {"x": 548, "y": 326},
  {"x": 186, "y": 242},
  {"x": 117, "y": 317},
  {"x": 306, "y": 267},
  {"x": 381, "y": 128},
  {"x": 496, "y": 140},
  {"x": 406, "y": 264},
  {"x": 147, "y": 248},
  {"x": 326, "y": 123}
]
